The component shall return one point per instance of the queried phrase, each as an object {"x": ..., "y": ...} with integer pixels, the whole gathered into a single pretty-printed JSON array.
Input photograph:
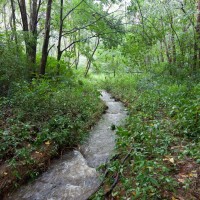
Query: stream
[{"x": 74, "y": 176}]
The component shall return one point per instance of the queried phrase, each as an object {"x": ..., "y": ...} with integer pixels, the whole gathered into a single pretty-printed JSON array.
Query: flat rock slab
[{"x": 74, "y": 177}]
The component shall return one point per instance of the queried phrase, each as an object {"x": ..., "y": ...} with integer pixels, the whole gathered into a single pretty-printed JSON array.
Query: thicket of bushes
[{"x": 13, "y": 67}]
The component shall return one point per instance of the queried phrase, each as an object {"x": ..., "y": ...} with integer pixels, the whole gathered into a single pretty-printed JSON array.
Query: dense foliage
[
  {"x": 162, "y": 131},
  {"x": 42, "y": 119},
  {"x": 148, "y": 54}
]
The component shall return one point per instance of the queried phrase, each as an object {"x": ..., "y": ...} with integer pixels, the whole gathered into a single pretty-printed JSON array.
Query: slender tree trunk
[
  {"x": 161, "y": 52},
  {"x": 5, "y": 23},
  {"x": 33, "y": 31},
  {"x": 59, "y": 55},
  {"x": 165, "y": 44},
  {"x": 59, "y": 52},
  {"x": 78, "y": 53},
  {"x": 30, "y": 31},
  {"x": 167, "y": 51},
  {"x": 158, "y": 59},
  {"x": 22, "y": 6},
  {"x": 24, "y": 18},
  {"x": 173, "y": 48},
  {"x": 193, "y": 62},
  {"x": 77, "y": 59},
  {"x": 198, "y": 35},
  {"x": 90, "y": 59},
  {"x": 62, "y": 19},
  {"x": 173, "y": 44},
  {"x": 71, "y": 48},
  {"x": 195, "y": 56},
  {"x": 46, "y": 38},
  {"x": 14, "y": 29},
  {"x": 169, "y": 57}
]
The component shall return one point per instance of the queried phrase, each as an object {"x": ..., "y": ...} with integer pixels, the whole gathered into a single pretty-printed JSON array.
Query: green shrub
[
  {"x": 13, "y": 68},
  {"x": 47, "y": 110}
]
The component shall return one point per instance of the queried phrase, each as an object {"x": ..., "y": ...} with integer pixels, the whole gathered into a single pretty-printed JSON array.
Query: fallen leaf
[
  {"x": 173, "y": 198},
  {"x": 181, "y": 180},
  {"x": 114, "y": 194},
  {"x": 134, "y": 193},
  {"x": 183, "y": 175},
  {"x": 193, "y": 174},
  {"x": 171, "y": 160},
  {"x": 47, "y": 143},
  {"x": 5, "y": 173}
]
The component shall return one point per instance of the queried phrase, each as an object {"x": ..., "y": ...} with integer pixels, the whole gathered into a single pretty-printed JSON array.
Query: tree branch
[
  {"x": 72, "y": 10},
  {"x": 50, "y": 48}
]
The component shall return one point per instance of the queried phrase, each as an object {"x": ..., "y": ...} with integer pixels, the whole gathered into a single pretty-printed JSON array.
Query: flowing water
[{"x": 74, "y": 177}]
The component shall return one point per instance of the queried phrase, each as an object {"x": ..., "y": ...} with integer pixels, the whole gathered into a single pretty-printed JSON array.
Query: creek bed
[{"x": 74, "y": 177}]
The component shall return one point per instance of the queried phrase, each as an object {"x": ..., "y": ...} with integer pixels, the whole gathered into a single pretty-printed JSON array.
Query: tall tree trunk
[
  {"x": 5, "y": 22},
  {"x": 22, "y": 6},
  {"x": 90, "y": 59},
  {"x": 59, "y": 52},
  {"x": 167, "y": 51},
  {"x": 173, "y": 44},
  {"x": 46, "y": 38},
  {"x": 198, "y": 35},
  {"x": 33, "y": 31},
  {"x": 161, "y": 52},
  {"x": 77, "y": 52},
  {"x": 14, "y": 29},
  {"x": 77, "y": 59},
  {"x": 193, "y": 62},
  {"x": 173, "y": 48},
  {"x": 24, "y": 18},
  {"x": 30, "y": 30},
  {"x": 195, "y": 55},
  {"x": 158, "y": 59},
  {"x": 62, "y": 19},
  {"x": 71, "y": 37}
]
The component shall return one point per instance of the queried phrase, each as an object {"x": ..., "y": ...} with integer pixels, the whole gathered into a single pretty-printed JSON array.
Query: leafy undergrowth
[
  {"x": 158, "y": 149},
  {"x": 40, "y": 121}
]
